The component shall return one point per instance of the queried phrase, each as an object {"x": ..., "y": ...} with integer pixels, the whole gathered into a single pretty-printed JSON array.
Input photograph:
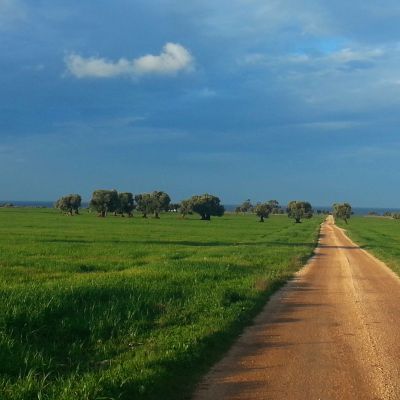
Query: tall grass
[{"x": 122, "y": 308}]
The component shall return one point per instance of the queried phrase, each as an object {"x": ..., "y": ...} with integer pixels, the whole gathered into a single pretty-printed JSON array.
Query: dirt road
[{"x": 331, "y": 333}]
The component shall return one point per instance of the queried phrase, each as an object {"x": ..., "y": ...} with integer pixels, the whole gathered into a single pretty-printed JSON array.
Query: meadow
[
  {"x": 378, "y": 235},
  {"x": 132, "y": 308}
]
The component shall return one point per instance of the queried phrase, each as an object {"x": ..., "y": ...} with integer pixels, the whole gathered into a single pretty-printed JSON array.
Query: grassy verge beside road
[{"x": 378, "y": 235}]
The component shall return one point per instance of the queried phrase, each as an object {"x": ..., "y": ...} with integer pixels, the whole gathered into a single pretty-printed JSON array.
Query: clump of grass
[{"x": 130, "y": 308}]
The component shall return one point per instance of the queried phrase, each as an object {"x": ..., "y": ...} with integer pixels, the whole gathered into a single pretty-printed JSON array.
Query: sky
[{"x": 259, "y": 99}]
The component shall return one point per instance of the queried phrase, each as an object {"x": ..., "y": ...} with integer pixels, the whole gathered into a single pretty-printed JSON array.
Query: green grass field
[
  {"x": 122, "y": 308},
  {"x": 378, "y": 235}
]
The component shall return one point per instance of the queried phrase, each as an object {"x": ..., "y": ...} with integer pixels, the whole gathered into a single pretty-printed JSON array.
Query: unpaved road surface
[{"x": 331, "y": 333}]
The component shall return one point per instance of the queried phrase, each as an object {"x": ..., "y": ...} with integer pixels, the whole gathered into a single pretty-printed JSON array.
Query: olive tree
[
  {"x": 126, "y": 204},
  {"x": 69, "y": 204},
  {"x": 299, "y": 210},
  {"x": 206, "y": 205},
  {"x": 152, "y": 203},
  {"x": 143, "y": 203},
  {"x": 275, "y": 207},
  {"x": 104, "y": 201},
  {"x": 263, "y": 210},
  {"x": 246, "y": 206},
  {"x": 342, "y": 211},
  {"x": 185, "y": 208},
  {"x": 160, "y": 202}
]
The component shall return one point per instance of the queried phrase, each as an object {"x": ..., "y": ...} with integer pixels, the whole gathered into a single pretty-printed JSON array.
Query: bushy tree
[
  {"x": 104, "y": 201},
  {"x": 246, "y": 206},
  {"x": 263, "y": 210},
  {"x": 206, "y": 205},
  {"x": 342, "y": 211},
  {"x": 69, "y": 204},
  {"x": 160, "y": 202},
  {"x": 185, "y": 208},
  {"x": 126, "y": 204},
  {"x": 152, "y": 203},
  {"x": 143, "y": 202},
  {"x": 299, "y": 210},
  {"x": 275, "y": 207}
]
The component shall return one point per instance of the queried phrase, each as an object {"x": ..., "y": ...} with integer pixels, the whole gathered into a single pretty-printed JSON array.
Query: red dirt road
[{"x": 331, "y": 333}]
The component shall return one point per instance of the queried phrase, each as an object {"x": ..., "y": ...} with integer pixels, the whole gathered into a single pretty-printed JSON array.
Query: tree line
[
  {"x": 104, "y": 202},
  {"x": 297, "y": 210}
]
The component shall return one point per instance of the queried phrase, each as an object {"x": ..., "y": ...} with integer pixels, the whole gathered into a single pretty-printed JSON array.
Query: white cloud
[
  {"x": 96, "y": 67},
  {"x": 173, "y": 59}
]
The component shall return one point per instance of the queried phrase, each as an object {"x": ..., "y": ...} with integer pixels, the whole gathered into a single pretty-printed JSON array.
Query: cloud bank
[{"x": 174, "y": 58}]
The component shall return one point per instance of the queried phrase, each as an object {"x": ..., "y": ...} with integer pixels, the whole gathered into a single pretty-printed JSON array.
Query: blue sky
[{"x": 260, "y": 99}]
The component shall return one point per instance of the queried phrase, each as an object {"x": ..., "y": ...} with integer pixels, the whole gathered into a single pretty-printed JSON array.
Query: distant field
[
  {"x": 122, "y": 308},
  {"x": 379, "y": 235}
]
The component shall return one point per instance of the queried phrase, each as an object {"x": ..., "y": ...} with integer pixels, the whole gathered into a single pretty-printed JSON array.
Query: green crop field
[
  {"x": 131, "y": 308},
  {"x": 379, "y": 235}
]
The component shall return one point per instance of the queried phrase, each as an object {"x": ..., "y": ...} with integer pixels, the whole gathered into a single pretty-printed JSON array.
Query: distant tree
[
  {"x": 396, "y": 216},
  {"x": 238, "y": 210},
  {"x": 324, "y": 212},
  {"x": 8, "y": 205},
  {"x": 159, "y": 202},
  {"x": 206, "y": 205},
  {"x": 185, "y": 208},
  {"x": 299, "y": 210},
  {"x": 63, "y": 205},
  {"x": 76, "y": 201},
  {"x": 263, "y": 210},
  {"x": 104, "y": 201},
  {"x": 373, "y": 213},
  {"x": 144, "y": 204},
  {"x": 387, "y": 214},
  {"x": 342, "y": 211},
  {"x": 275, "y": 207},
  {"x": 69, "y": 204},
  {"x": 152, "y": 203},
  {"x": 246, "y": 206},
  {"x": 126, "y": 204}
]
